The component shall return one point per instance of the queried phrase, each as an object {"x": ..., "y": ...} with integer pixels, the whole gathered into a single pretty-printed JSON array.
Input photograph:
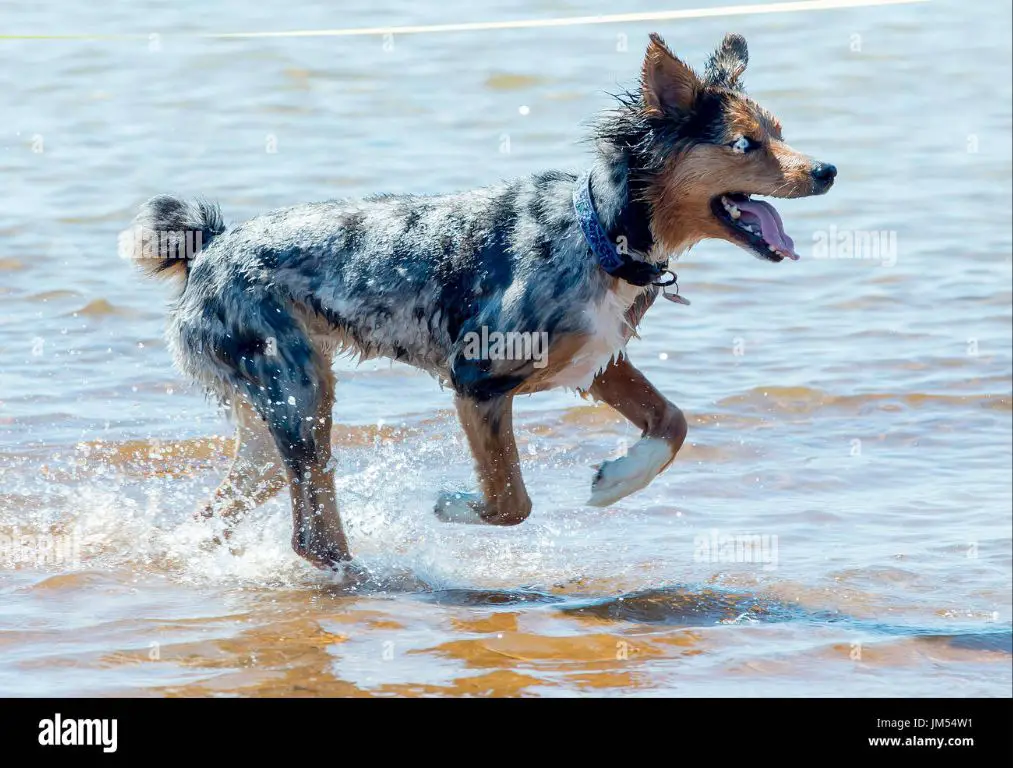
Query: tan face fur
[{"x": 700, "y": 170}]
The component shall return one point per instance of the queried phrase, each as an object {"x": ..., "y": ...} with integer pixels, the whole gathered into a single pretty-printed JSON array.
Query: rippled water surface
[{"x": 854, "y": 414}]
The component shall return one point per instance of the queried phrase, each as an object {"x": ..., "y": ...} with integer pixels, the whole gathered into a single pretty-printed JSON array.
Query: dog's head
[{"x": 710, "y": 148}]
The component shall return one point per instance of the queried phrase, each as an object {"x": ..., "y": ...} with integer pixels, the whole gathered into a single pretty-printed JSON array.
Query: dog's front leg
[
  {"x": 488, "y": 425},
  {"x": 663, "y": 427}
]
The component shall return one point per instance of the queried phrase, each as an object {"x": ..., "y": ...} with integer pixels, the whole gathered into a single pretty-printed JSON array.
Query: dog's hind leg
[
  {"x": 663, "y": 426},
  {"x": 318, "y": 534},
  {"x": 287, "y": 380},
  {"x": 301, "y": 426},
  {"x": 256, "y": 473},
  {"x": 303, "y": 437},
  {"x": 488, "y": 426}
]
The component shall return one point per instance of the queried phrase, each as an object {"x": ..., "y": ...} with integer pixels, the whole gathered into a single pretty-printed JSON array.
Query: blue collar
[
  {"x": 597, "y": 238},
  {"x": 610, "y": 257}
]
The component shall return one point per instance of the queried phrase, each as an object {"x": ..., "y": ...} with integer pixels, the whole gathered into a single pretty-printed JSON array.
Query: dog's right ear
[
  {"x": 667, "y": 83},
  {"x": 728, "y": 62}
]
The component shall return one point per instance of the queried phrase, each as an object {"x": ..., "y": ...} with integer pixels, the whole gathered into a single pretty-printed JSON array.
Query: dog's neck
[{"x": 618, "y": 189}]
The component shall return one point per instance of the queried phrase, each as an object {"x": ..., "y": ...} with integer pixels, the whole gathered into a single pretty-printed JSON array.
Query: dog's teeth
[
  {"x": 732, "y": 209},
  {"x": 772, "y": 248}
]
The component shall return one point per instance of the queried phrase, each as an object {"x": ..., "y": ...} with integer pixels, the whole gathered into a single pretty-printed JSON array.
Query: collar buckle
[
  {"x": 610, "y": 258},
  {"x": 663, "y": 284}
]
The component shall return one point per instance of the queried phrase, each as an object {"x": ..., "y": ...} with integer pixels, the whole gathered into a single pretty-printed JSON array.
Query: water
[{"x": 855, "y": 414}]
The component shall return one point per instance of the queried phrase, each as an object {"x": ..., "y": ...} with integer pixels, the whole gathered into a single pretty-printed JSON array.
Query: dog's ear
[
  {"x": 728, "y": 62},
  {"x": 667, "y": 84}
]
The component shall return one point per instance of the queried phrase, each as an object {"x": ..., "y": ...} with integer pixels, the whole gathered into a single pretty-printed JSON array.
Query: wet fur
[{"x": 267, "y": 304}]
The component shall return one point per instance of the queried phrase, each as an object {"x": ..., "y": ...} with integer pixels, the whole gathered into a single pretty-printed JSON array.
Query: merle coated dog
[{"x": 577, "y": 260}]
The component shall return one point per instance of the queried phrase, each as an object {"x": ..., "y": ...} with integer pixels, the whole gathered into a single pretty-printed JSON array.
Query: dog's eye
[{"x": 743, "y": 144}]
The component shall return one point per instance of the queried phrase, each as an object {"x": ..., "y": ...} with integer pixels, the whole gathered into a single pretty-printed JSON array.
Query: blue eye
[{"x": 743, "y": 144}]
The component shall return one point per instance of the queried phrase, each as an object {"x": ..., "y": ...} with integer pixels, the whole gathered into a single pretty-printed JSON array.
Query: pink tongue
[{"x": 770, "y": 225}]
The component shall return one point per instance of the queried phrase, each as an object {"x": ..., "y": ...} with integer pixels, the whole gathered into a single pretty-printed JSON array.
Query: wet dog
[{"x": 512, "y": 289}]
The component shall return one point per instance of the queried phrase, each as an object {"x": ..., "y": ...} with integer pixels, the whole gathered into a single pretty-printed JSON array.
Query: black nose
[{"x": 824, "y": 172}]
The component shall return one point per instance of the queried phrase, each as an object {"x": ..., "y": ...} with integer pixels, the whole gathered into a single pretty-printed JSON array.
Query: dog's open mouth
[{"x": 755, "y": 225}]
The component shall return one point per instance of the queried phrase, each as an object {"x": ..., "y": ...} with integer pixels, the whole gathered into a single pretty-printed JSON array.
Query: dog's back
[{"x": 404, "y": 277}]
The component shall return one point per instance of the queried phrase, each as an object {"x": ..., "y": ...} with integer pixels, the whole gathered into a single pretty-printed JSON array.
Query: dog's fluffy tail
[{"x": 168, "y": 233}]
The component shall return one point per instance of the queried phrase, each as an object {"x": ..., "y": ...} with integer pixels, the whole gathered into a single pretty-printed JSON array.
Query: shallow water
[{"x": 855, "y": 414}]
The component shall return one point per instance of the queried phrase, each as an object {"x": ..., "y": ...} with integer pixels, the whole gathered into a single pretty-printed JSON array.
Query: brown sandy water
[{"x": 839, "y": 522}]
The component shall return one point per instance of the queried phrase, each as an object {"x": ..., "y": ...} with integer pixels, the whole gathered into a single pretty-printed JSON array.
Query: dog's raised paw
[
  {"x": 459, "y": 507},
  {"x": 620, "y": 477}
]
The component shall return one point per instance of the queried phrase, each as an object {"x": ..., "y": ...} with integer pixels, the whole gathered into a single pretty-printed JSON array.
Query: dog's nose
[{"x": 824, "y": 173}]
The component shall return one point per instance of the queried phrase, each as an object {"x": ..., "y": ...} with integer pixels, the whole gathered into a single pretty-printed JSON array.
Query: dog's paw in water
[
  {"x": 214, "y": 544},
  {"x": 620, "y": 477},
  {"x": 349, "y": 573},
  {"x": 216, "y": 534},
  {"x": 460, "y": 507}
]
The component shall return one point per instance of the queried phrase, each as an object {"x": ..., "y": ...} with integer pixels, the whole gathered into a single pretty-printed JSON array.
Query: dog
[{"x": 574, "y": 260}]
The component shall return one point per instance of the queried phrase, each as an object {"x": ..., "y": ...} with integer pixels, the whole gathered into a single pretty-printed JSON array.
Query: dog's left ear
[
  {"x": 728, "y": 62},
  {"x": 668, "y": 85}
]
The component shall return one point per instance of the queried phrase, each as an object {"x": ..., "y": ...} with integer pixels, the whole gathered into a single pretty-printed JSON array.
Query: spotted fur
[{"x": 267, "y": 304}]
